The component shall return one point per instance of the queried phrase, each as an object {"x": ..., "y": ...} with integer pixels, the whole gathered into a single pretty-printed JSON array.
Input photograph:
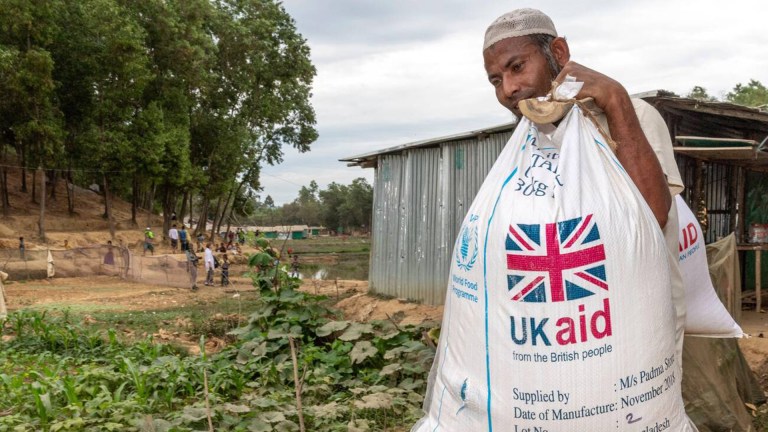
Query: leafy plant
[{"x": 58, "y": 376}]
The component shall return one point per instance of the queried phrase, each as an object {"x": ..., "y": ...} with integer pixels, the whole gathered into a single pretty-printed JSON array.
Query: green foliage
[
  {"x": 338, "y": 206},
  {"x": 700, "y": 93},
  {"x": 190, "y": 96},
  {"x": 57, "y": 376},
  {"x": 754, "y": 94}
]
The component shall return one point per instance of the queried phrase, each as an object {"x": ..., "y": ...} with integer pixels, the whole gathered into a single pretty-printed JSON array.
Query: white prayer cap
[{"x": 519, "y": 22}]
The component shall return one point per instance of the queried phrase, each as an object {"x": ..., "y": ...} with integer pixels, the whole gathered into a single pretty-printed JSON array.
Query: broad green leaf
[
  {"x": 362, "y": 351},
  {"x": 264, "y": 312},
  {"x": 375, "y": 401},
  {"x": 331, "y": 327},
  {"x": 390, "y": 335},
  {"x": 329, "y": 411},
  {"x": 355, "y": 331},
  {"x": 358, "y": 425},
  {"x": 286, "y": 426},
  {"x": 394, "y": 353},
  {"x": 259, "y": 425},
  {"x": 250, "y": 350},
  {"x": 272, "y": 416},
  {"x": 283, "y": 332},
  {"x": 194, "y": 414},
  {"x": 237, "y": 409},
  {"x": 390, "y": 369}
]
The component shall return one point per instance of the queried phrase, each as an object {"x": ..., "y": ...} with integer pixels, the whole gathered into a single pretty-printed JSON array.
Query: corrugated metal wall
[{"x": 420, "y": 198}]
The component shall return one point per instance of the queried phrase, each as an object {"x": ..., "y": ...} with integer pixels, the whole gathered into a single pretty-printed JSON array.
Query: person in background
[
  {"x": 173, "y": 234},
  {"x": 149, "y": 238},
  {"x": 192, "y": 263},
  {"x": 209, "y": 265},
  {"x": 224, "y": 270},
  {"x": 109, "y": 257},
  {"x": 183, "y": 238},
  {"x": 66, "y": 245},
  {"x": 295, "y": 266},
  {"x": 22, "y": 247}
]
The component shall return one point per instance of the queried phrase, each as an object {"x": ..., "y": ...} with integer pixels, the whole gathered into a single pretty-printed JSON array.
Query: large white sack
[
  {"x": 558, "y": 316},
  {"x": 706, "y": 316}
]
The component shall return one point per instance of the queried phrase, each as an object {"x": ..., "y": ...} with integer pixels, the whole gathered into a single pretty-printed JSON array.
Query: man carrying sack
[{"x": 569, "y": 314}]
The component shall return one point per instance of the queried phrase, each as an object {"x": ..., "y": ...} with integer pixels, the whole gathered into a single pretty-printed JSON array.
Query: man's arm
[{"x": 633, "y": 149}]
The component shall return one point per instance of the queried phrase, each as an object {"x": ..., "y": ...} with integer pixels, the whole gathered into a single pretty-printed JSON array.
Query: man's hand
[{"x": 633, "y": 149}]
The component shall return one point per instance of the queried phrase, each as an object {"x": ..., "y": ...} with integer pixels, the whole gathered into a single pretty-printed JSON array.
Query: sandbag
[
  {"x": 706, "y": 316},
  {"x": 558, "y": 316},
  {"x": 725, "y": 273}
]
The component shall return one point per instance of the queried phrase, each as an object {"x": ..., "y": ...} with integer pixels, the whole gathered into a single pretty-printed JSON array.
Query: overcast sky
[{"x": 391, "y": 72}]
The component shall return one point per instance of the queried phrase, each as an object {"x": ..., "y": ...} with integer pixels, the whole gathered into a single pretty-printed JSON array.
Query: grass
[
  {"x": 325, "y": 245},
  {"x": 203, "y": 318}
]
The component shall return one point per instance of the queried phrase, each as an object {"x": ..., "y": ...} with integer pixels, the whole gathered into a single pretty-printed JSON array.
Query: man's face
[{"x": 517, "y": 70}]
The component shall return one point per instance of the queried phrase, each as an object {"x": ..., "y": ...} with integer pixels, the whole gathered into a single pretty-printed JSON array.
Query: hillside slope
[{"x": 87, "y": 226}]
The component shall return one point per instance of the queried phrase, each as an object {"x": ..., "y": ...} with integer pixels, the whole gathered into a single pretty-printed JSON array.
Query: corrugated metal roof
[{"x": 432, "y": 142}]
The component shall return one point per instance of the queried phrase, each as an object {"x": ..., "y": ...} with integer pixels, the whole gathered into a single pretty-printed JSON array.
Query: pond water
[{"x": 349, "y": 266}]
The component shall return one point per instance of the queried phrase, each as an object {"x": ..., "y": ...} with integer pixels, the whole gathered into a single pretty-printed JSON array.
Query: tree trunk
[
  {"x": 183, "y": 211},
  {"x": 41, "y": 221},
  {"x": 70, "y": 192},
  {"x": 232, "y": 207},
  {"x": 168, "y": 208},
  {"x": 215, "y": 219},
  {"x": 24, "y": 170},
  {"x": 7, "y": 196},
  {"x": 34, "y": 187},
  {"x": 202, "y": 217},
  {"x": 4, "y": 191},
  {"x": 108, "y": 207},
  {"x": 54, "y": 179},
  {"x": 134, "y": 199},
  {"x": 105, "y": 215},
  {"x": 150, "y": 202},
  {"x": 224, "y": 212}
]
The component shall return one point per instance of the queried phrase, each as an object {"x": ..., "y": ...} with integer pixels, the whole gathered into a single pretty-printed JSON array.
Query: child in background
[{"x": 225, "y": 270}]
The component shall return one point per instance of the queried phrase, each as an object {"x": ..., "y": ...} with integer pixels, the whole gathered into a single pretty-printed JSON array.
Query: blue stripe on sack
[
  {"x": 485, "y": 293},
  {"x": 611, "y": 156},
  {"x": 445, "y": 357},
  {"x": 440, "y": 407}
]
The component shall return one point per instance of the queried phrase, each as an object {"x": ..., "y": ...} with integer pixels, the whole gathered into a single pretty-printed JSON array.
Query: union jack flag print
[{"x": 555, "y": 262}]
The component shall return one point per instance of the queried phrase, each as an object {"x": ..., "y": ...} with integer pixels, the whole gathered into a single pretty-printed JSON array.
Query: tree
[
  {"x": 162, "y": 101},
  {"x": 31, "y": 119},
  {"x": 333, "y": 199},
  {"x": 754, "y": 94},
  {"x": 700, "y": 93}
]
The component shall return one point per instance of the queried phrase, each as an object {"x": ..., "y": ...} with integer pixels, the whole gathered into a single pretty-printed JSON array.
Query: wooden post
[
  {"x": 758, "y": 252},
  {"x": 740, "y": 193},
  {"x": 41, "y": 221}
]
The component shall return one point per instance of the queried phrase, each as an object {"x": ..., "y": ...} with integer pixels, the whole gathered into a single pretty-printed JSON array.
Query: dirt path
[
  {"x": 105, "y": 292},
  {"x": 113, "y": 293}
]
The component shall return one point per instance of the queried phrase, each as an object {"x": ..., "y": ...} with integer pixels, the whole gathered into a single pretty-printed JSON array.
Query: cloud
[{"x": 396, "y": 71}]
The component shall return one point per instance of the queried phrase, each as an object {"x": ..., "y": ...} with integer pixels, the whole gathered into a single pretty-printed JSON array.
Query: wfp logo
[{"x": 466, "y": 255}]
